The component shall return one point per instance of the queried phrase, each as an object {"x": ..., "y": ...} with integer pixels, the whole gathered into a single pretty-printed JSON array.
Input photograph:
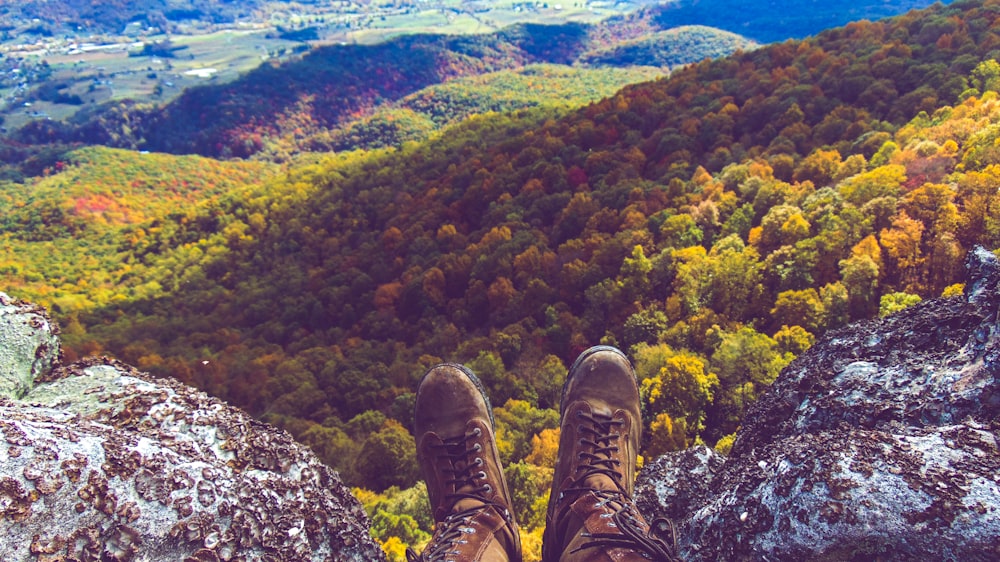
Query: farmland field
[{"x": 87, "y": 71}]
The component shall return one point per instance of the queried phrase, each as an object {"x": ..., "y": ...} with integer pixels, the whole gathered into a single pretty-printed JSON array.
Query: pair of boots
[{"x": 591, "y": 516}]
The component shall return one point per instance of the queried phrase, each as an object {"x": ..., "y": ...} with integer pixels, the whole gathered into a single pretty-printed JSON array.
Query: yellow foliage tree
[
  {"x": 902, "y": 243},
  {"x": 883, "y": 181},
  {"x": 665, "y": 435},
  {"x": 682, "y": 388},
  {"x": 544, "y": 448}
]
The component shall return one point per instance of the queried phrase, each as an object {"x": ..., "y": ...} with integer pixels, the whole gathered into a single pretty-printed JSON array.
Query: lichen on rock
[
  {"x": 102, "y": 462},
  {"x": 880, "y": 442},
  {"x": 29, "y": 345}
]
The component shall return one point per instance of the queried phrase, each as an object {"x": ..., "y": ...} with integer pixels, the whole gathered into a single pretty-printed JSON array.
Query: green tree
[
  {"x": 986, "y": 75},
  {"x": 489, "y": 368},
  {"x": 793, "y": 340},
  {"x": 517, "y": 421},
  {"x": 734, "y": 279},
  {"x": 398, "y": 517},
  {"x": 546, "y": 378},
  {"x": 860, "y": 277},
  {"x": 529, "y": 486},
  {"x": 746, "y": 362},
  {"x": 783, "y": 224},
  {"x": 803, "y": 308},
  {"x": 634, "y": 275},
  {"x": 746, "y": 355},
  {"x": 680, "y": 231},
  {"x": 894, "y": 302},
  {"x": 387, "y": 458},
  {"x": 334, "y": 447},
  {"x": 883, "y": 181},
  {"x": 644, "y": 326}
]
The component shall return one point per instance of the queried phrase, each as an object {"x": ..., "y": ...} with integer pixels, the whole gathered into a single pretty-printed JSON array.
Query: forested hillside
[
  {"x": 671, "y": 48},
  {"x": 426, "y": 112},
  {"x": 414, "y": 117},
  {"x": 62, "y": 234},
  {"x": 712, "y": 224},
  {"x": 279, "y": 110}
]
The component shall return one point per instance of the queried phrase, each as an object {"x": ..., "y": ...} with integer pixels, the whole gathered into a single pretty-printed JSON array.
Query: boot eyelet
[
  {"x": 481, "y": 475},
  {"x": 477, "y": 432},
  {"x": 488, "y": 489},
  {"x": 478, "y": 461},
  {"x": 477, "y": 447}
]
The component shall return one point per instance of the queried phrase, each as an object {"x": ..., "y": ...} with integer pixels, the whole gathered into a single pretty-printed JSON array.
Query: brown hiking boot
[
  {"x": 591, "y": 515},
  {"x": 459, "y": 461}
]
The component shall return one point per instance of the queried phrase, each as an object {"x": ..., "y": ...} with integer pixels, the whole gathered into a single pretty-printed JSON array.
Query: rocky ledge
[
  {"x": 879, "y": 443},
  {"x": 101, "y": 462}
]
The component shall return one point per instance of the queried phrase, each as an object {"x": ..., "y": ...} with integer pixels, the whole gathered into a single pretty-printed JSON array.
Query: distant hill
[
  {"x": 674, "y": 47},
  {"x": 418, "y": 115},
  {"x": 769, "y": 21}
]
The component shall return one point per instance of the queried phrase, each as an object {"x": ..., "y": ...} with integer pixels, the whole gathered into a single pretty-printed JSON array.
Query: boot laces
[
  {"x": 602, "y": 438},
  {"x": 467, "y": 471},
  {"x": 658, "y": 540},
  {"x": 454, "y": 532}
]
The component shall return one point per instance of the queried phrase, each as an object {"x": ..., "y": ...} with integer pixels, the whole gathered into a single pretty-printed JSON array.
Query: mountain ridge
[
  {"x": 331, "y": 85},
  {"x": 249, "y": 118}
]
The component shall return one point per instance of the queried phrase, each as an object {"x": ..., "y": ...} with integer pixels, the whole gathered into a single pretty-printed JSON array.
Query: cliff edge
[
  {"x": 101, "y": 462},
  {"x": 879, "y": 443}
]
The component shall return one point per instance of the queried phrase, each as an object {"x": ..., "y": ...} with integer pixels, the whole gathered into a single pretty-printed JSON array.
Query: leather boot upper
[
  {"x": 591, "y": 515},
  {"x": 456, "y": 448}
]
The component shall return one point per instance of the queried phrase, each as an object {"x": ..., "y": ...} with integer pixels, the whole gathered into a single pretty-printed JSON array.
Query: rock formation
[
  {"x": 878, "y": 443},
  {"x": 101, "y": 462}
]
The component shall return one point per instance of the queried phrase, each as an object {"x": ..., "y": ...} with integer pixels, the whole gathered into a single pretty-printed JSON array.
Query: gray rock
[
  {"x": 676, "y": 484},
  {"x": 880, "y": 442},
  {"x": 29, "y": 346},
  {"x": 102, "y": 462}
]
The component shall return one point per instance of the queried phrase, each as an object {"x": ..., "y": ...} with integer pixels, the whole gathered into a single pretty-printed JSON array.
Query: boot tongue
[
  {"x": 467, "y": 503},
  {"x": 600, "y": 482}
]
